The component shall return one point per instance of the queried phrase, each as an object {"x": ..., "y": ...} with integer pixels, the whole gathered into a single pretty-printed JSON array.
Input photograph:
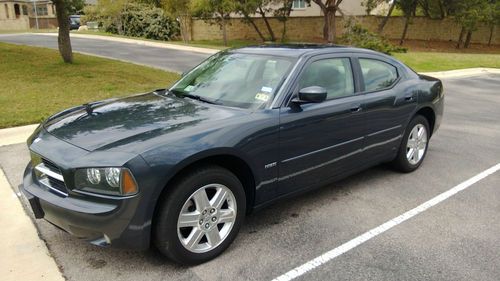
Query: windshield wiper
[{"x": 194, "y": 97}]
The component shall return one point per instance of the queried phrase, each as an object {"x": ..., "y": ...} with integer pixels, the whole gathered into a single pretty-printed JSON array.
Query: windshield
[{"x": 232, "y": 79}]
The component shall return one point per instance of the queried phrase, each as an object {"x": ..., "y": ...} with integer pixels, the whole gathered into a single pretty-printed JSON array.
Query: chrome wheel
[
  {"x": 417, "y": 144},
  {"x": 206, "y": 218}
]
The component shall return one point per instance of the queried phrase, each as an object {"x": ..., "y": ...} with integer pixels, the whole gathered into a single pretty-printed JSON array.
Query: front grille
[
  {"x": 51, "y": 165},
  {"x": 49, "y": 175}
]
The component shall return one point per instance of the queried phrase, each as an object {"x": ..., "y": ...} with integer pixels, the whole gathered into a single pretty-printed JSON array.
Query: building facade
[{"x": 24, "y": 14}]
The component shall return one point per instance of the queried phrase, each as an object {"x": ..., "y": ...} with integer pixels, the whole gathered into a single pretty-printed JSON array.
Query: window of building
[
  {"x": 298, "y": 4},
  {"x": 377, "y": 74},
  {"x": 6, "y": 10},
  {"x": 25, "y": 10},
  {"x": 17, "y": 11},
  {"x": 335, "y": 75},
  {"x": 41, "y": 10}
]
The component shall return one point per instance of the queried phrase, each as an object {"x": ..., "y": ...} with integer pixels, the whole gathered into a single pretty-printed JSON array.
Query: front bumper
[{"x": 103, "y": 222}]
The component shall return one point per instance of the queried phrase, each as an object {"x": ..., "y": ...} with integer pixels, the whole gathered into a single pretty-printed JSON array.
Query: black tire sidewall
[
  {"x": 165, "y": 230},
  {"x": 401, "y": 163}
]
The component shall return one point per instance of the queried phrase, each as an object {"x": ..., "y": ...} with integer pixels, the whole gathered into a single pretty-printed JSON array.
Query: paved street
[
  {"x": 167, "y": 59},
  {"x": 455, "y": 240}
]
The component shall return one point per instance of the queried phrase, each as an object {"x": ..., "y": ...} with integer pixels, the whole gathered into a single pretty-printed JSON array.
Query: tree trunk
[
  {"x": 184, "y": 22},
  {"x": 442, "y": 11},
  {"x": 63, "y": 40},
  {"x": 249, "y": 20},
  {"x": 490, "y": 39},
  {"x": 461, "y": 38},
  {"x": 386, "y": 18},
  {"x": 329, "y": 29},
  {"x": 224, "y": 31},
  {"x": 283, "y": 34},
  {"x": 405, "y": 30},
  {"x": 269, "y": 29},
  {"x": 467, "y": 39}
]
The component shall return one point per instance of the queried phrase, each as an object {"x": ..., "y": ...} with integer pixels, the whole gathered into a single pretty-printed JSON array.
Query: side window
[
  {"x": 377, "y": 74},
  {"x": 335, "y": 75}
]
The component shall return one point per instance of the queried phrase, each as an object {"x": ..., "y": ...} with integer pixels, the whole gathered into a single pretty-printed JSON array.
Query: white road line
[{"x": 326, "y": 257}]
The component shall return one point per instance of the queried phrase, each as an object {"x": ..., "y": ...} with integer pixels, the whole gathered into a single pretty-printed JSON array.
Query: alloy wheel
[
  {"x": 206, "y": 218},
  {"x": 417, "y": 144}
]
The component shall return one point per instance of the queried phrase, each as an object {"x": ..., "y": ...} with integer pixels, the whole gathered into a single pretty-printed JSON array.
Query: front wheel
[
  {"x": 413, "y": 146},
  {"x": 201, "y": 216}
]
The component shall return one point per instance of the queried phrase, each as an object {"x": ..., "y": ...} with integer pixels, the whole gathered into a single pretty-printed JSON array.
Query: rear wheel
[
  {"x": 201, "y": 216},
  {"x": 414, "y": 145}
]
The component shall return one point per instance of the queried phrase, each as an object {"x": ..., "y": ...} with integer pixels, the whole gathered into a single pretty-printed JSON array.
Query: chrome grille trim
[
  {"x": 46, "y": 183},
  {"x": 50, "y": 173}
]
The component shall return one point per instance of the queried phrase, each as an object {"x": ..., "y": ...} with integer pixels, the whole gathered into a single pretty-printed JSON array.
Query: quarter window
[
  {"x": 377, "y": 74},
  {"x": 298, "y": 4},
  {"x": 335, "y": 75}
]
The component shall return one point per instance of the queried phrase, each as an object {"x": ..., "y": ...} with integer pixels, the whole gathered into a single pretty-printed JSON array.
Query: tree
[
  {"x": 217, "y": 11},
  {"x": 63, "y": 40},
  {"x": 247, "y": 8},
  {"x": 329, "y": 8},
  {"x": 469, "y": 13},
  {"x": 180, "y": 10},
  {"x": 75, "y": 7},
  {"x": 492, "y": 18},
  {"x": 283, "y": 14},
  {"x": 409, "y": 9}
]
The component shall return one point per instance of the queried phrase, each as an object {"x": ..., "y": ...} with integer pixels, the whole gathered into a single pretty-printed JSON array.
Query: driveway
[
  {"x": 163, "y": 58},
  {"x": 454, "y": 240}
]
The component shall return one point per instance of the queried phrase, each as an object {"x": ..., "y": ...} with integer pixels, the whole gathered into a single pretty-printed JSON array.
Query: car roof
[{"x": 299, "y": 50}]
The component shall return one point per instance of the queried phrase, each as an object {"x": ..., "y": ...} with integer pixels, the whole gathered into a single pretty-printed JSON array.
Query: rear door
[
  {"x": 321, "y": 140},
  {"x": 388, "y": 104}
]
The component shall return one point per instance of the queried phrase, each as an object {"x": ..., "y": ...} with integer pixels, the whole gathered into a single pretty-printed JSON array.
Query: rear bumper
[{"x": 103, "y": 222}]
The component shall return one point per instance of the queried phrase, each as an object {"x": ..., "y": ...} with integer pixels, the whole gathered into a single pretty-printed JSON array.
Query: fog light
[{"x": 94, "y": 176}]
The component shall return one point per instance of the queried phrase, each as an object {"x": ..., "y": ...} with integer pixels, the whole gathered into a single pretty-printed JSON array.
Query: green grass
[
  {"x": 35, "y": 83},
  {"x": 428, "y": 61}
]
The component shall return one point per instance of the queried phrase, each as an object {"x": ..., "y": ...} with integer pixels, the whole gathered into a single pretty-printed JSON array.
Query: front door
[{"x": 321, "y": 140}]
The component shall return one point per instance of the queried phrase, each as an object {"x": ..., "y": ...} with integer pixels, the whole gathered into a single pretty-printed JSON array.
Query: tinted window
[
  {"x": 232, "y": 79},
  {"x": 335, "y": 75},
  {"x": 377, "y": 74}
]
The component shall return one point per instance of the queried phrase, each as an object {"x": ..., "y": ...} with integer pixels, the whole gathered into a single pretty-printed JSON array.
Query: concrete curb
[
  {"x": 24, "y": 255},
  {"x": 16, "y": 134},
  {"x": 139, "y": 42},
  {"x": 20, "y": 134}
]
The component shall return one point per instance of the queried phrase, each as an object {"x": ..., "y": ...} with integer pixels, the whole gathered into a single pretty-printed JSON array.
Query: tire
[
  {"x": 204, "y": 219},
  {"x": 403, "y": 162}
]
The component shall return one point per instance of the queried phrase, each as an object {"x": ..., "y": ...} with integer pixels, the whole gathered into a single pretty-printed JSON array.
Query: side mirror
[{"x": 313, "y": 94}]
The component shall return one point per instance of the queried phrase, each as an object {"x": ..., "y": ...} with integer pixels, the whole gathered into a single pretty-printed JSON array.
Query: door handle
[
  {"x": 356, "y": 108},
  {"x": 409, "y": 97}
]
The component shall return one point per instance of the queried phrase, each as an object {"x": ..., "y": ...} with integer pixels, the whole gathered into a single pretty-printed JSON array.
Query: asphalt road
[
  {"x": 167, "y": 59},
  {"x": 455, "y": 240}
]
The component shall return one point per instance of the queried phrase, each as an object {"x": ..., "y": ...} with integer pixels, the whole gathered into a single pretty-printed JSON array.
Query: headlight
[{"x": 108, "y": 181}]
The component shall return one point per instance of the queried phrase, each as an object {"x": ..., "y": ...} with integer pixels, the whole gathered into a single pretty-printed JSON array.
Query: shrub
[
  {"x": 356, "y": 35},
  {"x": 137, "y": 20}
]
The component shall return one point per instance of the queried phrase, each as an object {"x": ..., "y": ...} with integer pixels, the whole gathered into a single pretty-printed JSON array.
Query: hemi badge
[{"x": 270, "y": 165}]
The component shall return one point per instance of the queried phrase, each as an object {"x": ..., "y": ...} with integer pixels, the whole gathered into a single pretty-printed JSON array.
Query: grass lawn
[
  {"x": 437, "y": 61},
  {"x": 35, "y": 83}
]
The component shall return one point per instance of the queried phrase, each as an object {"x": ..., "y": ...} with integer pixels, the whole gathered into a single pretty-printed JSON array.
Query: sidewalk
[{"x": 24, "y": 255}]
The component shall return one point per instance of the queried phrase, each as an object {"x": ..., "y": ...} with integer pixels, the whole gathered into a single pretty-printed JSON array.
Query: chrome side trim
[
  {"x": 385, "y": 130},
  {"x": 321, "y": 149},
  {"x": 44, "y": 170},
  {"x": 338, "y": 158}
]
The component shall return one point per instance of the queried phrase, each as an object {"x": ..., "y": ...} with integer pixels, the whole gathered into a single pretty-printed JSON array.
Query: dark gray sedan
[{"x": 179, "y": 168}]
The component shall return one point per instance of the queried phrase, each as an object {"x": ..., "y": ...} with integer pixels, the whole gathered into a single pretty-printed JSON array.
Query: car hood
[{"x": 108, "y": 124}]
